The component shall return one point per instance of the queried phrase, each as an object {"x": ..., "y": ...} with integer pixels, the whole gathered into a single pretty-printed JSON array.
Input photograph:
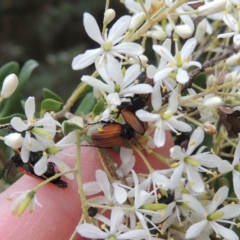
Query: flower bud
[
  {"x": 159, "y": 35},
  {"x": 229, "y": 7},
  {"x": 211, "y": 80},
  {"x": 137, "y": 21},
  {"x": 13, "y": 140},
  {"x": 213, "y": 102},
  {"x": 141, "y": 59},
  {"x": 233, "y": 60},
  {"x": 25, "y": 203},
  {"x": 10, "y": 84},
  {"x": 212, "y": 7},
  {"x": 201, "y": 30},
  {"x": 109, "y": 15},
  {"x": 184, "y": 31}
]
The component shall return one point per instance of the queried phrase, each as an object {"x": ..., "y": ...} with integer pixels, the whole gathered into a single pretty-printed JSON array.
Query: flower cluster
[{"x": 191, "y": 90}]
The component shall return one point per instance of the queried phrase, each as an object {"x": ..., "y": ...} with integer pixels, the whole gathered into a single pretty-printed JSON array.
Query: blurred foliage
[{"x": 52, "y": 33}]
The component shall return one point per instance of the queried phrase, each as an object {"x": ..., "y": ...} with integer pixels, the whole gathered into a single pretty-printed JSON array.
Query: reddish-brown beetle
[{"x": 112, "y": 134}]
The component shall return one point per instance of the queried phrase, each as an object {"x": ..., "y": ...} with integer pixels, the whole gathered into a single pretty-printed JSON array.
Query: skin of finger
[{"x": 61, "y": 208}]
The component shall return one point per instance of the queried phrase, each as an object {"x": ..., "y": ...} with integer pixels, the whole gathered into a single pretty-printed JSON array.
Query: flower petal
[
  {"x": 196, "y": 138},
  {"x": 138, "y": 89},
  {"x": 90, "y": 231},
  {"x": 176, "y": 175},
  {"x": 146, "y": 116},
  {"x": 160, "y": 75},
  {"x": 96, "y": 83},
  {"x": 230, "y": 211},
  {"x": 126, "y": 154},
  {"x": 116, "y": 219},
  {"x": 226, "y": 233},
  {"x": 92, "y": 28},
  {"x": 128, "y": 48},
  {"x": 131, "y": 75},
  {"x": 156, "y": 97},
  {"x": 120, "y": 193},
  {"x": 159, "y": 135},
  {"x": 195, "y": 229},
  {"x": 119, "y": 28},
  {"x": 103, "y": 183},
  {"x": 41, "y": 166},
  {"x": 194, "y": 178},
  {"x": 188, "y": 48},
  {"x": 194, "y": 204},
  {"x": 30, "y": 108},
  {"x": 218, "y": 198},
  {"x": 84, "y": 60},
  {"x": 236, "y": 183},
  {"x": 114, "y": 99},
  {"x": 18, "y": 124},
  {"x": 164, "y": 53},
  {"x": 182, "y": 76},
  {"x": 62, "y": 167}
]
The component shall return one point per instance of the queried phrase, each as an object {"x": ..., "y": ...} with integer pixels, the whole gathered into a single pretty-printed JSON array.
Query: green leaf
[
  {"x": 87, "y": 89},
  {"x": 98, "y": 108},
  {"x": 8, "y": 68},
  {"x": 5, "y": 120},
  {"x": 51, "y": 95},
  {"x": 26, "y": 72},
  {"x": 68, "y": 127},
  {"x": 50, "y": 105},
  {"x": 86, "y": 104}
]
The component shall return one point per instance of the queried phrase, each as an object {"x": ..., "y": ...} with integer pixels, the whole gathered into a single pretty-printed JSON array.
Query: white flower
[
  {"x": 31, "y": 126},
  {"x": 53, "y": 152},
  {"x": 116, "y": 84},
  {"x": 163, "y": 82},
  {"x": 234, "y": 167},
  {"x": 13, "y": 140},
  {"x": 211, "y": 216},
  {"x": 117, "y": 229},
  {"x": 178, "y": 63},
  {"x": 111, "y": 45},
  {"x": 232, "y": 23},
  {"x": 113, "y": 193},
  {"x": 143, "y": 201},
  {"x": 164, "y": 121},
  {"x": 10, "y": 84},
  {"x": 204, "y": 105},
  {"x": 26, "y": 199},
  {"x": 191, "y": 164}
]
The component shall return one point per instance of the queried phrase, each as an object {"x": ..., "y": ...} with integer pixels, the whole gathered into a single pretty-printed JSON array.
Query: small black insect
[{"x": 92, "y": 211}]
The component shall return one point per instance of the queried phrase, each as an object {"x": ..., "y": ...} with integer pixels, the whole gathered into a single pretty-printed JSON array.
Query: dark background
[{"x": 52, "y": 33}]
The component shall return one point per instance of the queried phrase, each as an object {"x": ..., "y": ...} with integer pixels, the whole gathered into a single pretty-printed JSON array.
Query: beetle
[
  {"x": 117, "y": 134},
  {"x": 112, "y": 134},
  {"x": 28, "y": 168},
  {"x": 134, "y": 122},
  {"x": 138, "y": 101}
]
